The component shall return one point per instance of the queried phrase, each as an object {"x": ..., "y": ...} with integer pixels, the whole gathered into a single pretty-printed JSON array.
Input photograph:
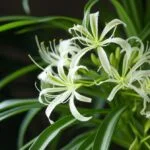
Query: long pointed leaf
[
  {"x": 135, "y": 13},
  {"x": 130, "y": 30},
  {"x": 28, "y": 144},
  {"x": 24, "y": 125},
  {"x": 10, "y": 108},
  {"x": 49, "y": 133},
  {"x": 76, "y": 142},
  {"x": 10, "y": 104},
  {"x": 106, "y": 129},
  {"x": 146, "y": 32},
  {"x": 15, "y": 18},
  {"x": 87, "y": 144},
  {"x": 39, "y": 20}
]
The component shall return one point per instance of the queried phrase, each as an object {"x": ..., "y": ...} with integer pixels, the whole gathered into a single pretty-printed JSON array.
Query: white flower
[
  {"x": 88, "y": 35},
  {"x": 62, "y": 88},
  {"x": 132, "y": 71},
  {"x": 61, "y": 53}
]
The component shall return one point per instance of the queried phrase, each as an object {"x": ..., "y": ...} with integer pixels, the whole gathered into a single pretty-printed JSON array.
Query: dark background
[{"x": 14, "y": 50}]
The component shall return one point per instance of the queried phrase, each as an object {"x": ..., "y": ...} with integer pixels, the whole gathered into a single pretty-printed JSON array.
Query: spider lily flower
[
  {"x": 57, "y": 54},
  {"x": 88, "y": 35},
  {"x": 61, "y": 89},
  {"x": 133, "y": 72}
]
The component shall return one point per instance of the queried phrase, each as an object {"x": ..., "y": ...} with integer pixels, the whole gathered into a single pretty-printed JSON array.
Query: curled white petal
[
  {"x": 119, "y": 41},
  {"x": 75, "y": 112},
  {"x": 58, "y": 100},
  {"x": 82, "y": 98},
  {"x": 78, "y": 56},
  {"x": 139, "y": 41},
  {"x": 72, "y": 71},
  {"x": 114, "y": 91},
  {"x": 61, "y": 71},
  {"x": 112, "y": 24}
]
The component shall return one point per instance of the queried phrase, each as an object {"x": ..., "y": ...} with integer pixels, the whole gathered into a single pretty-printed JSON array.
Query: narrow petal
[
  {"x": 58, "y": 100},
  {"x": 72, "y": 71},
  {"x": 138, "y": 75},
  {"x": 78, "y": 56},
  {"x": 47, "y": 77},
  {"x": 63, "y": 47},
  {"x": 119, "y": 41},
  {"x": 125, "y": 65},
  {"x": 104, "y": 60},
  {"x": 94, "y": 24},
  {"x": 80, "y": 30},
  {"x": 145, "y": 110},
  {"x": 108, "y": 80},
  {"x": 112, "y": 24},
  {"x": 43, "y": 51},
  {"x": 83, "y": 40},
  {"x": 115, "y": 73},
  {"x": 75, "y": 112},
  {"x": 49, "y": 91},
  {"x": 61, "y": 72},
  {"x": 82, "y": 98},
  {"x": 139, "y": 63},
  {"x": 114, "y": 91}
]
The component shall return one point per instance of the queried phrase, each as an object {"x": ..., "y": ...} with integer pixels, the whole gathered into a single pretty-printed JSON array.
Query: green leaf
[
  {"x": 64, "y": 25},
  {"x": 123, "y": 135},
  {"x": 11, "y": 108},
  {"x": 147, "y": 14},
  {"x": 146, "y": 126},
  {"x": 38, "y": 20},
  {"x": 87, "y": 144},
  {"x": 28, "y": 144},
  {"x": 50, "y": 132},
  {"x": 14, "y": 103},
  {"x": 76, "y": 142},
  {"x": 130, "y": 29},
  {"x": 135, "y": 145},
  {"x": 15, "y": 18},
  {"x": 135, "y": 14},
  {"x": 26, "y": 7},
  {"x": 104, "y": 134},
  {"x": 145, "y": 32},
  {"x": 24, "y": 125},
  {"x": 132, "y": 8},
  {"x": 18, "y": 74}
]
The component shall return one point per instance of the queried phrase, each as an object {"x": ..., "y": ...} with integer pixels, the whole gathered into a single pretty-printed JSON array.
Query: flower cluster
[{"x": 61, "y": 79}]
